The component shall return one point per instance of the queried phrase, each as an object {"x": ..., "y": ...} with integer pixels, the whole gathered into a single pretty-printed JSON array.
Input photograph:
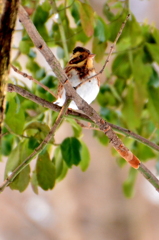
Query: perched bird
[{"x": 79, "y": 68}]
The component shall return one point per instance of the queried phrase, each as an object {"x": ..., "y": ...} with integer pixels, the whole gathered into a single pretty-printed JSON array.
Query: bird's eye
[{"x": 80, "y": 56}]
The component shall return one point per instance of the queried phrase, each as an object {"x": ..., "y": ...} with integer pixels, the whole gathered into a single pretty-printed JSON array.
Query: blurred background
[{"x": 91, "y": 204}]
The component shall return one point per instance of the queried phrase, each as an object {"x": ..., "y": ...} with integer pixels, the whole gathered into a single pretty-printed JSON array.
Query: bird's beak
[{"x": 91, "y": 56}]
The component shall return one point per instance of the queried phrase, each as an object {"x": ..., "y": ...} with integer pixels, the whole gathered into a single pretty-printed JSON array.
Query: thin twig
[
  {"x": 78, "y": 115},
  {"x": 109, "y": 54},
  {"x": 37, "y": 150},
  {"x": 25, "y": 75}
]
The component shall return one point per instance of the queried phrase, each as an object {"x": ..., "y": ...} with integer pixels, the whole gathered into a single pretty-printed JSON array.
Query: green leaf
[
  {"x": 101, "y": 30},
  {"x": 7, "y": 144},
  {"x": 153, "y": 94},
  {"x": 45, "y": 171},
  {"x": 24, "y": 47},
  {"x": 32, "y": 66},
  {"x": 15, "y": 117},
  {"x": 121, "y": 66},
  {"x": 46, "y": 6},
  {"x": 33, "y": 143},
  {"x": 43, "y": 127},
  {"x": 63, "y": 172},
  {"x": 40, "y": 16},
  {"x": 18, "y": 155},
  {"x": 103, "y": 139},
  {"x": 98, "y": 49},
  {"x": 71, "y": 148},
  {"x": 34, "y": 182},
  {"x": 58, "y": 161},
  {"x": 75, "y": 11},
  {"x": 109, "y": 15},
  {"x": 153, "y": 49},
  {"x": 129, "y": 111},
  {"x": 87, "y": 18},
  {"x": 77, "y": 129},
  {"x": 85, "y": 157},
  {"x": 140, "y": 71},
  {"x": 49, "y": 81},
  {"x": 128, "y": 186}
]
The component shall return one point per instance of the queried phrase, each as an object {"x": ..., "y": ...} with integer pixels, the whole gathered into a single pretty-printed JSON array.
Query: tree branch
[
  {"x": 25, "y": 75},
  {"x": 73, "y": 114}
]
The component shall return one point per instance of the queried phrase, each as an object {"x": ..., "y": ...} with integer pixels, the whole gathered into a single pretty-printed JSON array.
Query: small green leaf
[
  {"x": 154, "y": 51},
  {"x": 98, "y": 49},
  {"x": 45, "y": 171},
  {"x": 32, "y": 66},
  {"x": 40, "y": 16},
  {"x": 42, "y": 127},
  {"x": 24, "y": 47},
  {"x": 130, "y": 115},
  {"x": 34, "y": 182},
  {"x": 33, "y": 143},
  {"x": 85, "y": 157},
  {"x": 71, "y": 148},
  {"x": 121, "y": 66},
  {"x": 77, "y": 129},
  {"x": 153, "y": 94},
  {"x": 63, "y": 172},
  {"x": 101, "y": 30},
  {"x": 87, "y": 18},
  {"x": 58, "y": 161},
  {"x": 109, "y": 15},
  {"x": 46, "y": 6},
  {"x": 18, "y": 155},
  {"x": 15, "y": 117},
  {"x": 7, "y": 144},
  {"x": 49, "y": 81},
  {"x": 128, "y": 186},
  {"x": 75, "y": 11}
]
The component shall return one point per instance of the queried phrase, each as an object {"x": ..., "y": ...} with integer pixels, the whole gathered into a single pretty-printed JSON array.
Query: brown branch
[
  {"x": 81, "y": 104},
  {"x": 7, "y": 22},
  {"x": 25, "y": 75},
  {"x": 77, "y": 115}
]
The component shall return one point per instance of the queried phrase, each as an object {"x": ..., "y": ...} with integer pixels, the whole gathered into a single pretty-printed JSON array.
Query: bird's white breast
[{"x": 88, "y": 91}]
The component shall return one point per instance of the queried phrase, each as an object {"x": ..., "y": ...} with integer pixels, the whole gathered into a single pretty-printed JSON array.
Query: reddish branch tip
[{"x": 129, "y": 157}]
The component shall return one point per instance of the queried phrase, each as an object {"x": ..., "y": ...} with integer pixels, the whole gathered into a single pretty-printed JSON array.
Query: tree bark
[{"x": 8, "y": 15}]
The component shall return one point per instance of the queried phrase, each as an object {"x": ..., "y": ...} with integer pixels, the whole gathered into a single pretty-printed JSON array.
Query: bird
[{"x": 79, "y": 68}]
